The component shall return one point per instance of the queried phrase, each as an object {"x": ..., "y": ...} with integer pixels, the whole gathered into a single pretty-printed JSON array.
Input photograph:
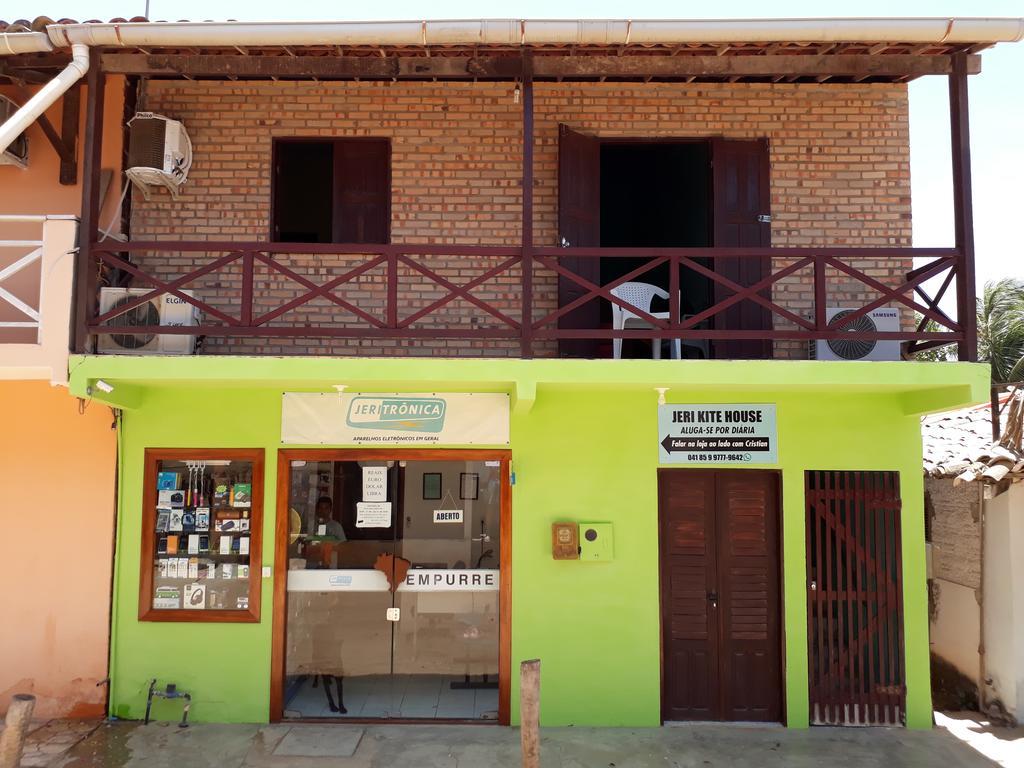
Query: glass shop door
[{"x": 393, "y": 589}]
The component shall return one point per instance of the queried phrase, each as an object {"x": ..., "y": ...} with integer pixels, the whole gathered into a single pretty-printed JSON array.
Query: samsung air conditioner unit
[
  {"x": 878, "y": 320},
  {"x": 17, "y": 153},
  {"x": 159, "y": 153},
  {"x": 165, "y": 309}
]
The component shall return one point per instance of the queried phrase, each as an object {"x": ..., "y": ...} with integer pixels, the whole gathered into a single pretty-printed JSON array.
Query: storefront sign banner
[
  {"x": 717, "y": 433},
  {"x": 373, "y": 514},
  {"x": 360, "y": 418}
]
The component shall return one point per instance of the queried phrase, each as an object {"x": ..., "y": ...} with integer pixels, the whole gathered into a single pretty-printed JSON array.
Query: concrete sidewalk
[{"x": 348, "y": 746}]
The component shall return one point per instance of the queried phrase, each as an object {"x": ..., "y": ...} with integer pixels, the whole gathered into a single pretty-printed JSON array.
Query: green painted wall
[{"x": 586, "y": 452}]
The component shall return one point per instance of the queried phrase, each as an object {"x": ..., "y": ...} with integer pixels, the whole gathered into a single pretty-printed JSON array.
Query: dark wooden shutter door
[
  {"x": 748, "y": 591},
  {"x": 362, "y": 191},
  {"x": 855, "y": 598},
  {"x": 688, "y": 568},
  {"x": 742, "y": 193},
  {"x": 579, "y": 224},
  {"x": 720, "y": 595}
]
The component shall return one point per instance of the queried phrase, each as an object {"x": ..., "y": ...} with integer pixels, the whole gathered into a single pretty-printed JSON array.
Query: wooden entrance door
[
  {"x": 579, "y": 224},
  {"x": 855, "y": 598},
  {"x": 742, "y": 203},
  {"x": 721, "y": 652}
]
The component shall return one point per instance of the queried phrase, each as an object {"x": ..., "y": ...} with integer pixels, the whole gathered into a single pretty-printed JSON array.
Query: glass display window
[{"x": 201, "y": 535}]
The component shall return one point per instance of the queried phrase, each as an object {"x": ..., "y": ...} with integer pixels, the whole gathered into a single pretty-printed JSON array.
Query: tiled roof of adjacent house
[
  {"x": 39, "y": 23},
  {"x": 959, "y": 444}
]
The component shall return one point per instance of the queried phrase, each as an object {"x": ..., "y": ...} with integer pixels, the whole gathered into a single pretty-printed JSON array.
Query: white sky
[{"x": 996, "y": 95}]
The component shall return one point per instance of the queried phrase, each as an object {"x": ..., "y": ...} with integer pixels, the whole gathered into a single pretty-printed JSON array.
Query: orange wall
[
  {"x": 57, "y": 476},
  {"x": 36, "y": 189}
]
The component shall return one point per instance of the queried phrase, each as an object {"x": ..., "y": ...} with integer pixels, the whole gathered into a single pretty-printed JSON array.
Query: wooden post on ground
[
  {"x": 529, "y": 712},
  {"x": 19, "y": 715}
]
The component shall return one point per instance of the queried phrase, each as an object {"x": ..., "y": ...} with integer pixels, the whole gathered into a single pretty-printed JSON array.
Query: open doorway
[
  {"x": 663, "y": 193},
  {"x": 655, "y": 194}
]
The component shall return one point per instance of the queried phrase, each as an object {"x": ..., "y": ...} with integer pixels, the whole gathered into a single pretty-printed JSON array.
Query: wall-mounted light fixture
[
  {"x": 102, "y": 386},
  {"x": 661, "y": 394}
]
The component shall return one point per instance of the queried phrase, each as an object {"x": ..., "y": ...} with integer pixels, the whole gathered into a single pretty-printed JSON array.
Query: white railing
[{"x": 36, "y": 282}]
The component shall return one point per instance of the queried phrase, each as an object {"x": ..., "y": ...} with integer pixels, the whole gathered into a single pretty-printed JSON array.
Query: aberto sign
[{"x": 717, "y": 433}]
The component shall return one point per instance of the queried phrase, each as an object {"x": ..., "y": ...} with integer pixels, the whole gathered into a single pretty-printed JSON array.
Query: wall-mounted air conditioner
[
  {"x": 159, "y": 153},
  {"x": 17, "y": 153},
  {"x": 882, "y": 319},
  {"x": 166, "y": 309}
]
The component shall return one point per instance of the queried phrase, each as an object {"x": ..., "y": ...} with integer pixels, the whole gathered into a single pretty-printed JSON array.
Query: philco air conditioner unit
[
  {"x": 882, "y": 319},
  {"x": 166, "y": 309},
  {"x": 159, "y": 153},
  {"x": 17, "y": 153}
]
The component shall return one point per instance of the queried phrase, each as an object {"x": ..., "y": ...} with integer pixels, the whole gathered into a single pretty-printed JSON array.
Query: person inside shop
[{"x": 325, "y": 516}]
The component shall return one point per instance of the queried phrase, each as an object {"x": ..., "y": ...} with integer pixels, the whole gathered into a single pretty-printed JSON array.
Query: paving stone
[{"x": 319, "y": 741}]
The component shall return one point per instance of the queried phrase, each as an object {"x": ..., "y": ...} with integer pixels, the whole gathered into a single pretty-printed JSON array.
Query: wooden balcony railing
[{"x": 403, "y": 291}]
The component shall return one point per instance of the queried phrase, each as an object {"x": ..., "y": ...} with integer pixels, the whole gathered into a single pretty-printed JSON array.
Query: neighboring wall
[
  {"x": 57, "y": 464},
  {"x": 1004, "y": 599},
  {"x": 36, "y": 189},
  {"x": 57, "y": 515},
  {"x": 955, "y": 523},
  {"x": 840, "y": 176}
]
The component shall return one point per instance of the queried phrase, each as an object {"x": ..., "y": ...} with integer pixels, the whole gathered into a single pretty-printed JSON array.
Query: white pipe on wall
[
  {"x": 46, "y": 96},
  {"x": 540, "y": 32}
]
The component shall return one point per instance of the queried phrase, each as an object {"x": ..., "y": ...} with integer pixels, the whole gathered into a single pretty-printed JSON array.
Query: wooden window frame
[
  {"x": 148, "y": 554},
  {"x": 277, "y": 141}
]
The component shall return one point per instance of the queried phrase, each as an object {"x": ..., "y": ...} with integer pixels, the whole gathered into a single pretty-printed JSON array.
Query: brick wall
[
  {"x": 955, "y": 531},
  {"x": 839, "y": 176}
]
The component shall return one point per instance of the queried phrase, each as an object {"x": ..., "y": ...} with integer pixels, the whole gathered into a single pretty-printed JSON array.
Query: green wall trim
[
  {"x": 916, "y": 382},
  {"x": 584, "y": 445}
]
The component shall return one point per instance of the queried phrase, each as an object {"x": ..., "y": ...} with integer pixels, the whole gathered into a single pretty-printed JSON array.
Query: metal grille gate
[{"x": 855, "y": 598}]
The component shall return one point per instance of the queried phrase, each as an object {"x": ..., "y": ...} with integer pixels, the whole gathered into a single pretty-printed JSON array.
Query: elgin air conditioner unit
[
  {"x": 17, "y": 153},
  {"x": 166, "y": 309},
  {"x": 882, "y": 319},
  {"x": 159, "y": 153}
]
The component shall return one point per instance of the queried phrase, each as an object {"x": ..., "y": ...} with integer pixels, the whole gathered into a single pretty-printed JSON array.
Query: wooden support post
[
  {"x": 526, "y": 330},
  {"x": 19, "y": 715},
  {"x": 963, "y": 209},
  {"x": 529, "y": 712},
  {"x": 69, "y": 136},
  {"x": 85, "y": 267}
]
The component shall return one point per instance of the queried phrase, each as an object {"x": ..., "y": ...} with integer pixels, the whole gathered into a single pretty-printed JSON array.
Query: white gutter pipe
[
  {"x": 13, "y": 43},
  {"x": 514, "y": 32},
  {"x": 45, "y": 96}
]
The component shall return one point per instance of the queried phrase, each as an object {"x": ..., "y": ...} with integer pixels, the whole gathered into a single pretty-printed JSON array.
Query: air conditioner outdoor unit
[
  {"x": 881, "y": 319},
  {"x": 159, "y": 153},
  {"x": 165, "y": 309},
  {"x": 17, "y": 153}
]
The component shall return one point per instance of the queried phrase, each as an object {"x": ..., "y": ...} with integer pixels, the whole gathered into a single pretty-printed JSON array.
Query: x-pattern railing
[
  {"x": 25, "y": 261},
  {"x": 249, "y": 322},
  {"x": 522, "y": 318}
]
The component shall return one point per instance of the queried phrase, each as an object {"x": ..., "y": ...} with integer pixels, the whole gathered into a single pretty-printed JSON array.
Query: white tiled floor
[{"x": 398, "y": 696}]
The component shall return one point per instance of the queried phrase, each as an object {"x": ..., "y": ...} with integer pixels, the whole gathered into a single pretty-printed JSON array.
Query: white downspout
[{"x": 46, "y": 96}]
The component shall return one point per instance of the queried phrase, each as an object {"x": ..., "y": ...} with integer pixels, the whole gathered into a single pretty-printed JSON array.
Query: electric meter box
[{"x": 596, "y": 542}]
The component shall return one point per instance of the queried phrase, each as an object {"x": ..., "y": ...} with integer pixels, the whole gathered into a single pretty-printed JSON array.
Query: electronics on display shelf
[{"x": 201, "y": 511}]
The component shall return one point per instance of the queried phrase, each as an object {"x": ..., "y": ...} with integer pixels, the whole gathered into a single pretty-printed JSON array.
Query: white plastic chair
[{"x": 641, "y": 296}]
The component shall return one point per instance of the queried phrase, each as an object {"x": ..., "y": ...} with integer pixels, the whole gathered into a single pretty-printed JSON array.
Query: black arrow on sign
[{"x": 668, "y": 445}]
